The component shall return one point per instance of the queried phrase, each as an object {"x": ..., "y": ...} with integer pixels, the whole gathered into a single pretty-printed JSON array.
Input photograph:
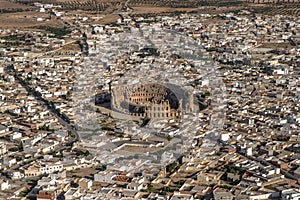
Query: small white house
[
  {"x": 106, "y": 177},
  {"x": 15, "y": 136},
  {"x": 4, "y": 185},
  {"x": 3, "y": 129},
  {"x": 290, "y": 194},
  {"x": 17, "y": 175}
]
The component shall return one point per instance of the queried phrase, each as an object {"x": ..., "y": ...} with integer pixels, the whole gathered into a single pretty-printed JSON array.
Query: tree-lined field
[
  {"x": 10, "y": 7},
  {"x": 89, "y": 5},
  {"x": 270, "y": 7},
  {"x": 151, "y": 6},
  {"x": 292, "y": 9},
  {"x": 5, "y": 4}
]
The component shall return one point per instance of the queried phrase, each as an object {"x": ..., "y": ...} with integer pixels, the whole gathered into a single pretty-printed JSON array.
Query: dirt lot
[
  {"x": 84, "y": 172},
  {"x": 110, "y": 18},
  {"x": 98, "y": 18},
  {"x": 276, "y": 45},
  {"x": 26, "y": 20}
]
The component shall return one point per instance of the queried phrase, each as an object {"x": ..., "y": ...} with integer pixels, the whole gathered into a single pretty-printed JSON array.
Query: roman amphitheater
[{"x": 151, "y": 100}]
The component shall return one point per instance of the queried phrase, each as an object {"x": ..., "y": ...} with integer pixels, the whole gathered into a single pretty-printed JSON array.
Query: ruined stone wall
[{"x": 151, "y": 100}]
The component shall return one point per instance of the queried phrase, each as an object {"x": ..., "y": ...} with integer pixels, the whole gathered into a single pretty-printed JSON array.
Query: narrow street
[{"x": 55, "y": 112}]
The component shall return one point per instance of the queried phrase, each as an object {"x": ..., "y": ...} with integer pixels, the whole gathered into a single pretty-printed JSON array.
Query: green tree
[{"x": 171, "y": 167}]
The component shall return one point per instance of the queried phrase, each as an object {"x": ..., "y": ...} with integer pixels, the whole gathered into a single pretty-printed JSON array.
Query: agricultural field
[
  {"x": 9, "y": 7},
  {"x": 87, "y": 5},
  {"x": 273, "y": 9},
  {"x": 142, "y": 10},
  {"x": 169, "y": 6},
  {"x": 105, "y": 11}
]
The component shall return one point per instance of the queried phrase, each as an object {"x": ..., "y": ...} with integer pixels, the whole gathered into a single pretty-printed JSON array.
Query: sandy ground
[
  {"x": 85, "y": 172},
  {"x": 25, "y": 20}
]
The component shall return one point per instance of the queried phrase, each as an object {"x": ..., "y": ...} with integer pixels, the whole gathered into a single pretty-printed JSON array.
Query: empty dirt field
[
  {"x": 107, "y": 19},
  {"x": 27, "y": 19},
  {"x": 84, "y": 172}
]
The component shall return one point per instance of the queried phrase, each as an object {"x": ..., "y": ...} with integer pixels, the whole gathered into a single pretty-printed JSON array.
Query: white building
[
  {"x": 3, "y": 149},
  {"x": 4, "y": 185},
  {"x": 17, "y": 175},
  {"x": 51, "y": 168},
  {"x": 135, "y": 186},
  {"x": 225, "y": 137},
  {"x": 15, "y": 136},
  {"x": 106, "y": 177},
  {"x": 72, "y": 193},
  {"x": 290, "y": 194},
  {"x": 3, "y": 129}
]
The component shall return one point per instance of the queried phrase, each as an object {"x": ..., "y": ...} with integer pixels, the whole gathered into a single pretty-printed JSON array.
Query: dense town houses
[{"x": 257, "y": 155}]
